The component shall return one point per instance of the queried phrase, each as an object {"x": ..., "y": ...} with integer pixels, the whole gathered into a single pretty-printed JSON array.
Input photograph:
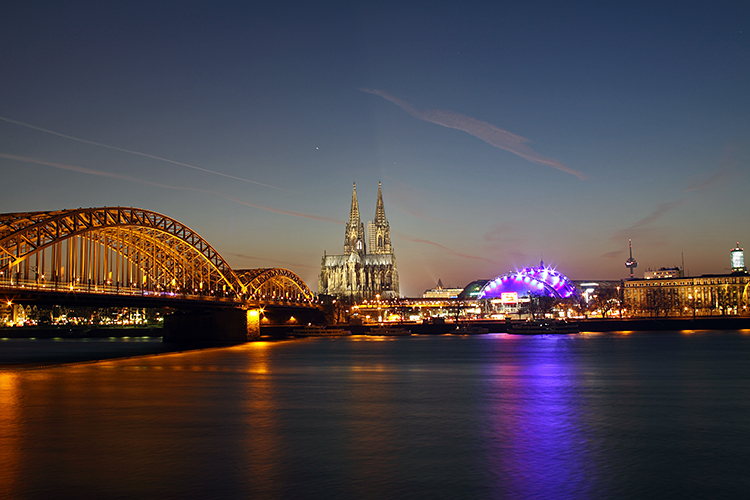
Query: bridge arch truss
[
  {"x": 115, "y": 247},
  {"x": 274, "y": 284}
]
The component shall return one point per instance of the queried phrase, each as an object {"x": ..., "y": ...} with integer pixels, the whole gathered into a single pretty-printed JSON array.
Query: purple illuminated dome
[{"x": 535, "y": 280}]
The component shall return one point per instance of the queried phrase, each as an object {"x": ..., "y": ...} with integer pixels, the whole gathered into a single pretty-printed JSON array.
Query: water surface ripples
[{"x": 645, "y": 415}]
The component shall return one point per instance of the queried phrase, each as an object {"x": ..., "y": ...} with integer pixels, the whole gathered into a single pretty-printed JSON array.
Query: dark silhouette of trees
[
  {"x": 539, "y": 304},
  {"x": 606, "y": 300}
]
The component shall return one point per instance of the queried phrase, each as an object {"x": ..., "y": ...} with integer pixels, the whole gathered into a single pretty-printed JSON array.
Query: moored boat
[
  {"x": 319, "y": 331},
  {"x": 389, "y": 331},
  {"x": 470, "y": 330},
  {"x": 541, "y": 326}
]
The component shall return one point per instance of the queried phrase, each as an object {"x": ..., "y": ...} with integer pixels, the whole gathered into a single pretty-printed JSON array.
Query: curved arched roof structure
[
  {"x": 531, "y": 280},
  {"x": 472, "y": 290}
]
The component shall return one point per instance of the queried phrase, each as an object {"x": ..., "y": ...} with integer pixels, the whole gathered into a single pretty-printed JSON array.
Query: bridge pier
[{"x": 221, "y": 326}]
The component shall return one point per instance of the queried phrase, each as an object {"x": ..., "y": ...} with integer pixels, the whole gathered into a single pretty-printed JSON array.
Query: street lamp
[
  {"x": 692, "y": 301},
  {"x": 380, "y": 318}
]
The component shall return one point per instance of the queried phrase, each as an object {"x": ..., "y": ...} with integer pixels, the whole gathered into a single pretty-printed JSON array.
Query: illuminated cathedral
[{"x": 367, "y": 268}]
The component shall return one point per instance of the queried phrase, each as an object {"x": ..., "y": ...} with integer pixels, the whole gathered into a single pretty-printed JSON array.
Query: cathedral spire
[
  {"x": 380, "y": 208},
  {"x": 365, "y": 271},
  {"x": 354, "y": 213},
  {"x": 354, "y": 239},
  {"x": 378, "y": 230}
]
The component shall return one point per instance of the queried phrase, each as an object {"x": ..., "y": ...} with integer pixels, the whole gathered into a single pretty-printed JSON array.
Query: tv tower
[{"x": 631, "y": 262}]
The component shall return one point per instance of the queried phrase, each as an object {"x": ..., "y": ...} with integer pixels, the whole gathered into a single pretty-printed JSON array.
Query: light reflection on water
[
  {"x": 490, "y": 416},
  {"x": 536, "y": 435},
  {"x": 9, "y": 432}
]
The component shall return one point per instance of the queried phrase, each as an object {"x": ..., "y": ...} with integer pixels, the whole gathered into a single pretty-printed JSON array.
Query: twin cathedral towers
[{"x": 368, "y": 266}]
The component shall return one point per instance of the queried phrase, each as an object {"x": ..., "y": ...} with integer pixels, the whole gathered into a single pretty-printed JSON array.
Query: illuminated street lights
[{"x": 692, "y": 301}]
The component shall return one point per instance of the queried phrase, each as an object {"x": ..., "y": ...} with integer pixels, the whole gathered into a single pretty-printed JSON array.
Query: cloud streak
[
  {"x": 442, "y": 247},
  {"x": 489, "y": 133},
  {"x": 661, "y": 209},
  {"x": 658, "y": 212},
  {"x": 641, "y": 225},
  {"x": 90, "y": 171},
  {"x": 715, "y": 177},
  {"x": 115, "y": 148}
]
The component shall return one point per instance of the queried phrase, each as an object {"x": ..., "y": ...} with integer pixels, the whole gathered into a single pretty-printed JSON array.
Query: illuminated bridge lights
[
  {"x": 101, "y": 250},
  {"x": 539, "y": 279}
]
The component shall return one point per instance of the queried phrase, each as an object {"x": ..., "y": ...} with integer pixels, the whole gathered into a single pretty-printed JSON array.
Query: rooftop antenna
[
  {"x": 631, "y": 262},
  {"x": 683, "y": 265}
]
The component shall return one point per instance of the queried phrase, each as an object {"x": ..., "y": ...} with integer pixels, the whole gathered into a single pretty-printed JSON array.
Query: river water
[{"x": 643, "y": 415}]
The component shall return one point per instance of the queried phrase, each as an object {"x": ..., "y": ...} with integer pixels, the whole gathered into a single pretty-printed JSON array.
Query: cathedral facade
[{"x": 367, "y": 267}]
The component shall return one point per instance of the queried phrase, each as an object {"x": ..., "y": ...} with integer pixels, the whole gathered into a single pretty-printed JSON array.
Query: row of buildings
[
  {"x": 668, "y": 292},
  {"x": 367, "y": 272}
]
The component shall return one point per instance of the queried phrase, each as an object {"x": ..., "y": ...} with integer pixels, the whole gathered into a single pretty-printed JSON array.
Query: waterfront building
[
  {"x": 440, "y": 292},
  {"x": 6, "y": 314},
  {"x": 540, "y": 280},
  {"x": 664, "y": 272},
  {"x": 471, "y": 291},
  {"x": 738, "y": 259},
  {"x": 509, "y": 292},
  {"x": 707, "y": 295},
  {"x": 367, "y": 268},
  {"x": 673, "y": 294},
  {"x": 588, "y": 290}
]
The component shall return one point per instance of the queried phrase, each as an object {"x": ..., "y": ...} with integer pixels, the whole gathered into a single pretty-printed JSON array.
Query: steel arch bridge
[
  {"x": 271, "y": 283},
  {"x": 125, "y": 250}
]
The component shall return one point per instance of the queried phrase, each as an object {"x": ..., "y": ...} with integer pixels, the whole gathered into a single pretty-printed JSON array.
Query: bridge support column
[
  {"x": 223, "y": 326},
  {"x": 253, "y": 324}
]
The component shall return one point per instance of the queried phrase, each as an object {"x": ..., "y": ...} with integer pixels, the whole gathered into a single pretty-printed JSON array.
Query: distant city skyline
[{"x": 503, "y": 135}]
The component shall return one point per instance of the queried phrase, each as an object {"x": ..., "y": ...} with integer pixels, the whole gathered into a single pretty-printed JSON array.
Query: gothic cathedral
[{"x": 368, "y": 266}]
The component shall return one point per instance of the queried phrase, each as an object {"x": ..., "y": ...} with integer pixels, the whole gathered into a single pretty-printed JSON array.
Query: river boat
[
  {"x": 470, "y": 330},
  {"x": 389, "y": 331},
  {"x": 542, "y": 326},
  {"x": 319, "y": 331}
]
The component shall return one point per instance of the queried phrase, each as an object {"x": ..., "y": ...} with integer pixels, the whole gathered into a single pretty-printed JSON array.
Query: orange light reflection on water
[
  {"x": 259, "y": 352},
  {"x": 9, "y": 433},
  {"x": 262, "y": 440}
]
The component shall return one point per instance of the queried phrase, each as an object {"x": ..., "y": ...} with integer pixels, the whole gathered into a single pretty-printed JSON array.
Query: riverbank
[
  {"x": 40, "y": 347},
  {"x": 77, "y": 332},
  {"x": 586, "y": 325},
  {"x": 665, "y": 324},
  {"x": 39, "y": 353},
  {"x": 35, "y": 347},
  {"x": 437, "y": 328}
]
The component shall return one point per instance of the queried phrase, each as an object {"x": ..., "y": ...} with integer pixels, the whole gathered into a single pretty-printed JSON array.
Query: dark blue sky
[{"x": 502, "y": 133}]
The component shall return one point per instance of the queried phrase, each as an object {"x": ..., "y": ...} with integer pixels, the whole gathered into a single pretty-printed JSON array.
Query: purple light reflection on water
[{"x": 536, "y": 437}]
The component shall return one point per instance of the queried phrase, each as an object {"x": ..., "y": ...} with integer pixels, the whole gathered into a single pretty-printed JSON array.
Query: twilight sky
[{"x": 502, "y": 132}]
